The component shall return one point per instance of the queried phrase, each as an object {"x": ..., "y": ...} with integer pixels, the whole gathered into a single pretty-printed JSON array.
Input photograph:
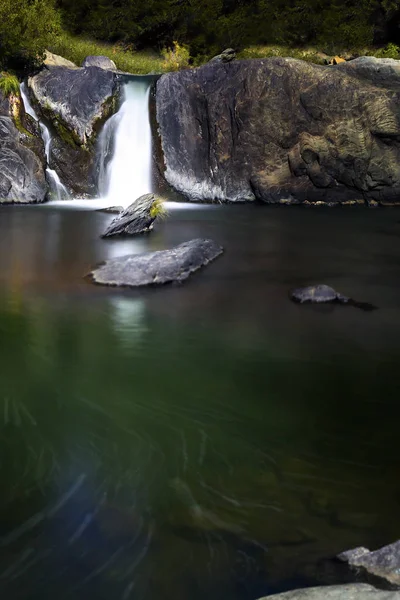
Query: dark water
[{"x": 212, "y": 440}]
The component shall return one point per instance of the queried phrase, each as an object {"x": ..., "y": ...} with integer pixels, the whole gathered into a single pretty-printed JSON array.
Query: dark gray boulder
[
  {"x": 137, "y": 218},
  {"x": 102, "y": 62},
  {"x": 352, "y": 591},
  {"x": 75, "y": 102},
  {"x": 384, "y": 563},
  {"x": 282, "y": 130},
  {"x": 153, "y": 268},
  {"x": 22, "y": 158},
  {"x": 226, "y": 56}
]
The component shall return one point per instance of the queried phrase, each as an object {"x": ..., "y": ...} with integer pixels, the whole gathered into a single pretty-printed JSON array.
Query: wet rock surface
[
  {"x": 324, "y": 294},
  {"x": 338, "y": 592},
  {"x": 163, "y": 266},
  {"x": 281, "y": 129},
  {"x": 384, "y": 563},
  {"x": 135, "y": 219},
  {"x": 75, "y": 103},
  {"x": 22, "y": 159}
]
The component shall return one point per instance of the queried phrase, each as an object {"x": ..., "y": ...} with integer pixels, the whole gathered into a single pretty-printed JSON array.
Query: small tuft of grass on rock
[
  {"x": 158, "y": 208},
  {"x": 9, "y": 85}
]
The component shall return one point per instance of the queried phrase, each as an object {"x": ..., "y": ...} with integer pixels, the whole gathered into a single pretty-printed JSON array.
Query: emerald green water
[{"x": 211, "y": 440}]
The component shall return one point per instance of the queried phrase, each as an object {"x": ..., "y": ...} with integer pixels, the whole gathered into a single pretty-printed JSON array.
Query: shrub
[
  {"x": 176, "y": 58},
  {"x": 158, "y": 208},
  {"x": 9, "y": 84},
  {"x": 390, "y": 51}
]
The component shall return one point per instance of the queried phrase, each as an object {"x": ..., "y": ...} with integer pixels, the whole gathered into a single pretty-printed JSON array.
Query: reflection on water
[{"x": 208, "y": 440}]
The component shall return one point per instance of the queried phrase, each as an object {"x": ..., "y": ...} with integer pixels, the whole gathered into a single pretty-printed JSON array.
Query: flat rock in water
[
  {"x": 384, "y": 562},
  {"x": 357, "y": 591},
  {"x": 317, "y": 294},
  {"x": 112, "y": 209},
  {"x": 163, "y": 266}
]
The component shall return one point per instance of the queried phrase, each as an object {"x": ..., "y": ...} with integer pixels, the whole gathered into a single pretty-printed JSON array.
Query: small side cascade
[
  {"x": 57, "y": 189},
  {"x": 125, "y": 148}
]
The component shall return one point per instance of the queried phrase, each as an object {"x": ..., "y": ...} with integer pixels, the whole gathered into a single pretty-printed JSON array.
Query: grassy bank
[{"x": 76, "y": 49}]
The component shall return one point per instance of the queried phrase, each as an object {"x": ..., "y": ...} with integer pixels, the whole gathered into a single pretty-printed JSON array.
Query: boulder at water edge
[
  {"x": 282, "y": 130},
  {"x": 338, "y": 592},
  {"x": 137, "y": 218},
  {"x": 22, "y": 158},
  {"x": 103, "y": 62},
  {"x": 324, "y": 294},
  {"x": 76, "y": 102},
  {"x": 163, "y": 266},
  {"x": 384, "y": 562}
]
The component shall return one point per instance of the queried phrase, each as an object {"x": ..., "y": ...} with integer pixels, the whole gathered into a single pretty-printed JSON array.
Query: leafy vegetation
[
  {"x": 158, "y": 208},
  {"x": 160, "y": 35},
  {"x": 26, "y": 27},
  {"x": 9, "y": 84}
]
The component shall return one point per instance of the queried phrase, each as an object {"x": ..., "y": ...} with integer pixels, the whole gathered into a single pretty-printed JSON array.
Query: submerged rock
[
  {"x": 103, "y": 62},
  {"x": 317, "y": 294},
  {"x": 324, "y": 294},
  {"x": 384, "y": 563},
  {"x": 356, "y": 591},
  {"x": 76, "y": 102},
  {"x": 282, "y": 129},
  {"x": 153, "y": 268},
  {"x": 137, "y": 218},
  {"x": 112, "y": 209},
  {"x": 22, "y": 158}
]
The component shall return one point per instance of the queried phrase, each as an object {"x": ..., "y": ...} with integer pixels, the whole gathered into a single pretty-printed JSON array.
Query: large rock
[
  {"x": 384, "y": 562},
  {"x": 282, "y": 130},
  {"x": 76, "y": 102},
  {"x": 153, "y": 268},
  {"x": 103, "y": 62},
  {"x": 356, "y": 591},
  {"x": 22, "y": 159},
  {"x": 137, "y": 218}
]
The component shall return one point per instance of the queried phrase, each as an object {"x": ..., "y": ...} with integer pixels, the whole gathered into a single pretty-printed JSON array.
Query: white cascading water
[
  {"x": 125, "y": 148},
  {"x": 58, "y": 190}
]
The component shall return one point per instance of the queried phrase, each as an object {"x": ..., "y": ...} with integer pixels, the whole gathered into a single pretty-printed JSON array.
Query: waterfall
[
  {"x": 58, "y": 190},
  {"x": 125, "y": 148}
]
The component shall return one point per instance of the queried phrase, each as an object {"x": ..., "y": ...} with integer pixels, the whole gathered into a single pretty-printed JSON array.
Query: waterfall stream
[
  {"x": 58, "y": 190},
  {"x": 125, "y": 148}
]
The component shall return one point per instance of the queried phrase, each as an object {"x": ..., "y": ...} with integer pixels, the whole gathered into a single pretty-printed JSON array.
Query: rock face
[
  {"x": 384, "y": 562},
  {"x": 103, "y": 62},
  {"x": 22, "y": 159},
  {"x": 137, "y": 218},
  {"x": 163, "y": 266},
  {"x": 283, "y": 130},
  {"x": 338, "y": 592},
  {"x": 75, "y": 102}
]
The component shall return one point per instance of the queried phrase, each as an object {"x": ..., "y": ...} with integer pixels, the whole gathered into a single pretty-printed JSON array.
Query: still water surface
[{"x": 211, "y": 440}]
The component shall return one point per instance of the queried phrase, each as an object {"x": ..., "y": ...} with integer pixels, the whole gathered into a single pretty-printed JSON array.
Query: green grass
[
  {"x": 9, "y": 84},
  {"x": 76, "y": 49},
  {"x": 158, "y": 208}
]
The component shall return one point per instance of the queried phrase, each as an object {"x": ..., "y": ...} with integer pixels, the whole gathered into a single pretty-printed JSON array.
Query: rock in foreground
[
  {"x": 137, "y": 218},
  {"x": 283, "y": 130},
  {"x": 355, "y": 591},
  {"x": 384, "y": 562},
  {"x": 317, "y": 294},
  {"x": 153, "y": 268},
  {"x": 324, "y": 294}
]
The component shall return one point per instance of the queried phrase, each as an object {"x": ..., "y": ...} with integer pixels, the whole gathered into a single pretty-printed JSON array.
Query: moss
[{"x": 158, "y": 208}]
